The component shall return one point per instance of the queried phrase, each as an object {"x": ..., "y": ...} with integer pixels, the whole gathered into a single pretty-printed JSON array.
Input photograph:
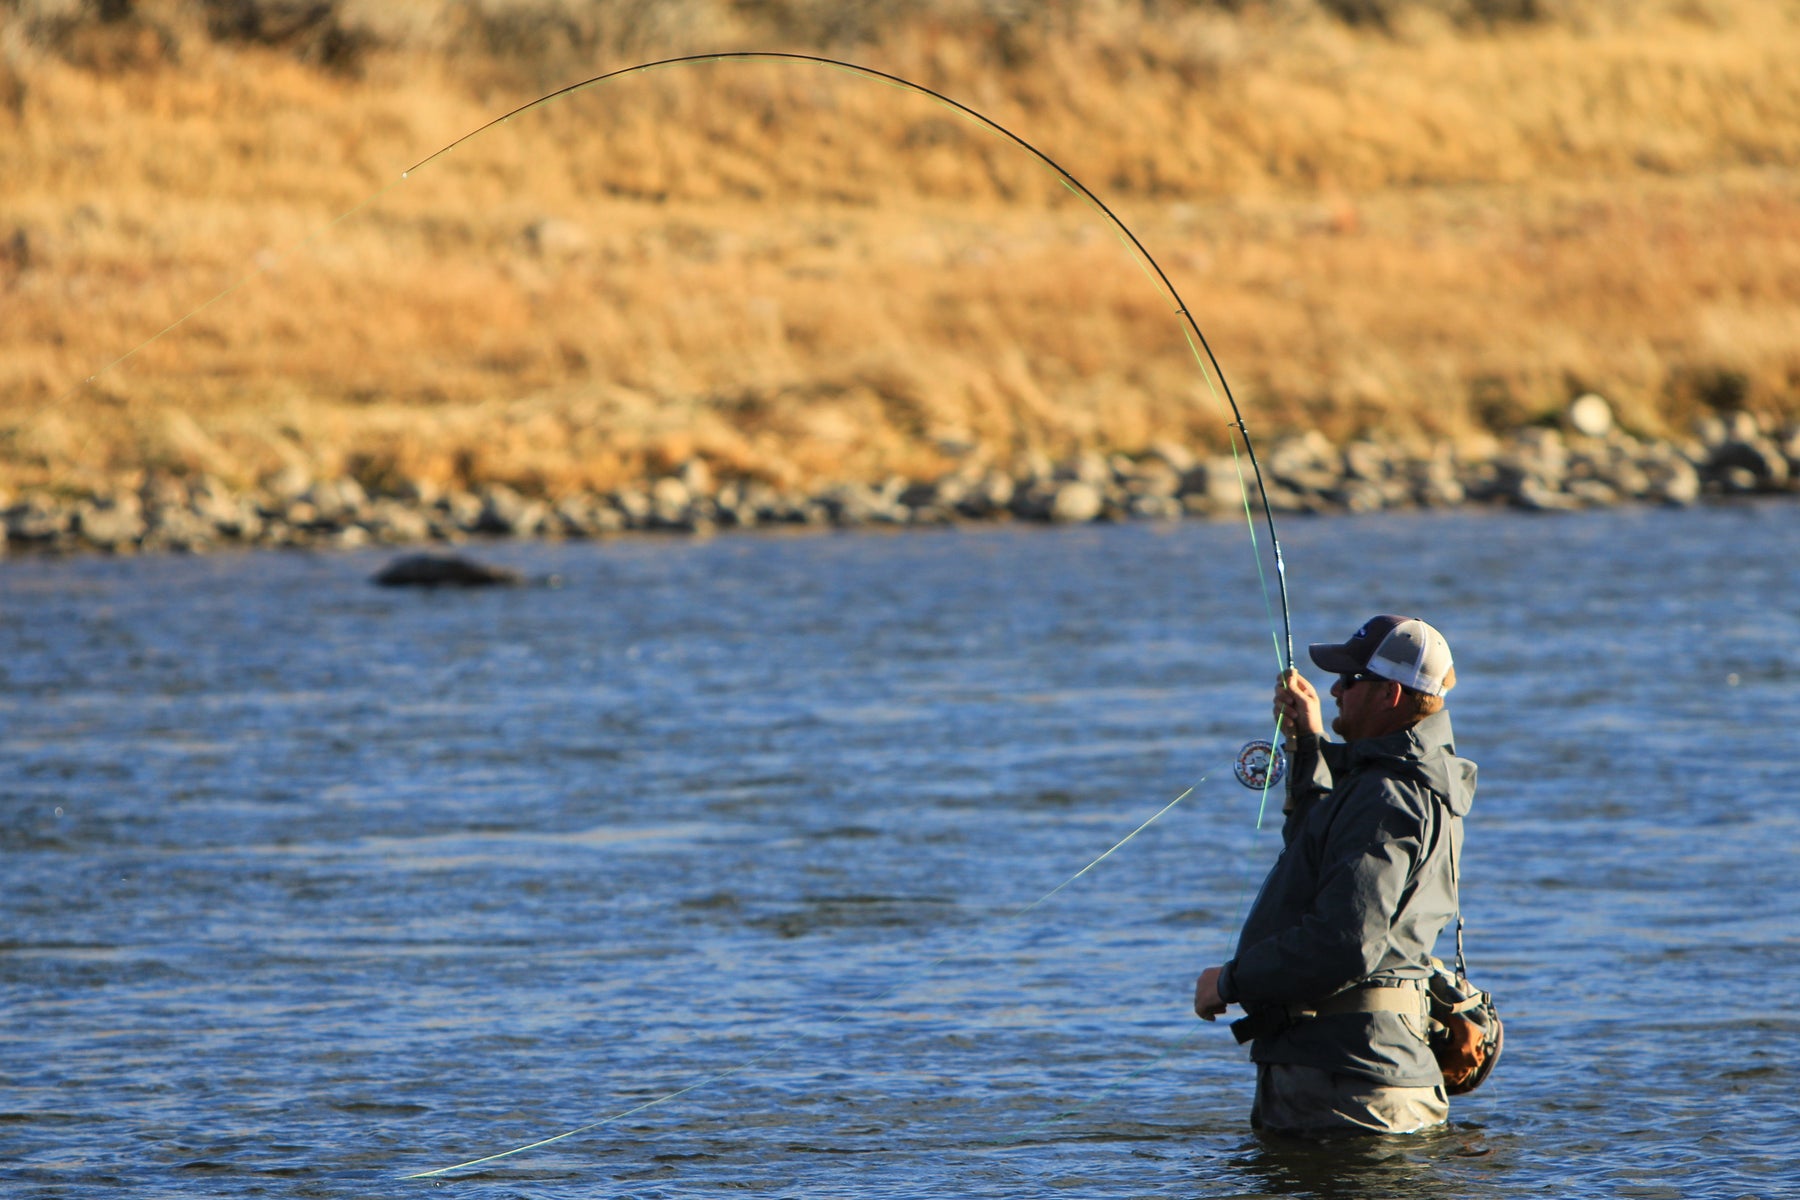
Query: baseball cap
[{"x": 1403, "y": 649}]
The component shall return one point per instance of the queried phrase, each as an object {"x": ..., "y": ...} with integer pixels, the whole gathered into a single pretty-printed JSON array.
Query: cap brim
[{"x": 1336, "y": 658}]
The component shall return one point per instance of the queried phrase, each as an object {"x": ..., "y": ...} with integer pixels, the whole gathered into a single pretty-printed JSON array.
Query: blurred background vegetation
[{"x": 1424, "y": 221}]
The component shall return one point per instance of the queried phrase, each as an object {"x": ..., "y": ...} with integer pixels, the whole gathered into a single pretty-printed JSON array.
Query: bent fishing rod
[
  {"x": 1258, "y": 766},
  {"x": 1196, "y": 336}
]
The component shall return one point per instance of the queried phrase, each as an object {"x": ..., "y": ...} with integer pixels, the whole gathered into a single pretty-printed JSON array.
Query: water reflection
[{"x": 1429, "y": 1166}]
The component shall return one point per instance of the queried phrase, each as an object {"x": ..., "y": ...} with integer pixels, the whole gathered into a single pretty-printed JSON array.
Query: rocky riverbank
[{"x": 1587, "y": 463}]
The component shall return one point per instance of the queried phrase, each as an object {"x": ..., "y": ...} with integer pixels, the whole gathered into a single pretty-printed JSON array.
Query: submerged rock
[{"x": 443, "y": 570}]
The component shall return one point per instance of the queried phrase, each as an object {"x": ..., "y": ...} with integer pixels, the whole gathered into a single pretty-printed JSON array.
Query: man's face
[{"x": 1363, "y": 704}]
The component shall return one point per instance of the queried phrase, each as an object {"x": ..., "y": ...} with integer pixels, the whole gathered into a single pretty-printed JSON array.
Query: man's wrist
[{"x": 1227, "y": 992}]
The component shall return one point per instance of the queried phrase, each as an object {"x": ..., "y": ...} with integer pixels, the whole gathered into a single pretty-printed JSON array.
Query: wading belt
[{"x": 1376, "y": 995}]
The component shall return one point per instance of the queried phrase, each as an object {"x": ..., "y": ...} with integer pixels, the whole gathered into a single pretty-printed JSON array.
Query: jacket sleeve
[
  {"x": 1366, "y": 868},
  {"x": 1309, "y": 779}
]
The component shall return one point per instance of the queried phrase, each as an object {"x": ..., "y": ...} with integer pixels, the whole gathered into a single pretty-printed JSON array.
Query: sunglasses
[{"x": 1350, "y": 680}]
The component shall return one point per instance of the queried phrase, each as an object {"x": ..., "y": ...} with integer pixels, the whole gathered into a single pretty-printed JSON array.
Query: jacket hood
[{"x": 1426, "y": 753}]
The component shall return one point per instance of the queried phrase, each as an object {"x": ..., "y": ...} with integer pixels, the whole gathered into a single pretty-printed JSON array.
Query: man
[{"x": 1332, "y": 959}]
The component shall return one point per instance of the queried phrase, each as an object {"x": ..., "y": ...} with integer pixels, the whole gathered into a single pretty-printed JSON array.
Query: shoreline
[{"x": 1587, "y": 464}]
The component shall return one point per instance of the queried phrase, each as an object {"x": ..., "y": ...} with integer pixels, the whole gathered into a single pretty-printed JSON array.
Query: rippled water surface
[{"x": 310, "y": 886}]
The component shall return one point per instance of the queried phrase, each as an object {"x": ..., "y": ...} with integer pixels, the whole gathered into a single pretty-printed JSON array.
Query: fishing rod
[
  {"x": 1197, "y": 339},
  {"x": 1258, "y": 766}
]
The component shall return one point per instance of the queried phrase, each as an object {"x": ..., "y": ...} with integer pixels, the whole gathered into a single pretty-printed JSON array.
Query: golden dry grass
[{"x": 1427, "y": 232}]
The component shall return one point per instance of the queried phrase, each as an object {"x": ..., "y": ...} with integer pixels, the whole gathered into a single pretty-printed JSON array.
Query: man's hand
[
  {"x": 1207, "y": 1005},
  {"x": 1297, "y": 705}
]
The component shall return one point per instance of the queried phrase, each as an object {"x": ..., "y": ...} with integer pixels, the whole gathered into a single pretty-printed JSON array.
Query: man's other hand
[{"x": 1207, "y": 1005}]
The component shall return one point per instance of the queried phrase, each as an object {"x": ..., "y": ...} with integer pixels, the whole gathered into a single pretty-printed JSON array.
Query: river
[{"x": 311, "y": 886}]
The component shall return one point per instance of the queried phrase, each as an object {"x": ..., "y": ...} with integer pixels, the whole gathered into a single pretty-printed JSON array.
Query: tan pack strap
[
  {"x": 1406, "y": 996},
  {"x": 1444, "y": 819}
]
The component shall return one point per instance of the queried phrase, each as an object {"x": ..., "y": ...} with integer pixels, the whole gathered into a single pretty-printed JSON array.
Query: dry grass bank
[{"x": 1431, "y": 224}]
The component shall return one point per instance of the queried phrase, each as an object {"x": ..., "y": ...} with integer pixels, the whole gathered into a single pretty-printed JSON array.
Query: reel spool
[{"x": 1258, "y": 766}]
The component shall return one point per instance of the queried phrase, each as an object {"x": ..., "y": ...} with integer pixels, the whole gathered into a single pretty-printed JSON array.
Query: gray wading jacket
[{"x": 1361, "y": 891}]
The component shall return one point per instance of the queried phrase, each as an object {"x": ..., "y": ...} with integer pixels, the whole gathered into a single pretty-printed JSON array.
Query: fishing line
[
  {"x": 1180, "y": 1045},
  {"x": 1198, "y": 345},
  {"x": 1195, "y": 336},
  {"x": 857, "y": 1009}
]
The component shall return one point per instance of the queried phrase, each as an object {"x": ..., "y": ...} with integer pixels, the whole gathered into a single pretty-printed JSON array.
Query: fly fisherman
[{"x": 1332, "y": 959}]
